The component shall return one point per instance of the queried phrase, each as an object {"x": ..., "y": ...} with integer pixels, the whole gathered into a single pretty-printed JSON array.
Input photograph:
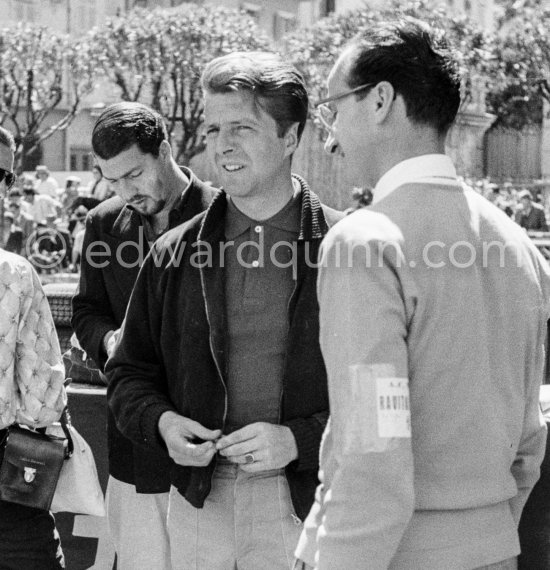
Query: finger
[
  {"x": 197, "y": 450},
  {"x": 199, "y": 431},
  {"x": 244, "y": 434},
  {"x": 239, "y": 449}
]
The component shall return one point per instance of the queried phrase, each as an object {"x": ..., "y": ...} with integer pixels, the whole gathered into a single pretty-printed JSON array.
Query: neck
[
  {"x": 417, "y": 142},
  {"x": 262, "y": 205},
  {"x": 175, "y": 182}
]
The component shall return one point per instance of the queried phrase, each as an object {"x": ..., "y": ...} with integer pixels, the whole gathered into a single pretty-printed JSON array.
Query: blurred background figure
[
  {"x": 46, "y": 183},
  {"x": 70, "y": 194},
  {"x": 97, "y": 191},
  {"x": 531, "y": 215},
  {"x": 22, "y": 224},
  {"x": 49, "y": 247},
  {"x": 99, "y": 187},
  {"x": 40, "y": 205}
]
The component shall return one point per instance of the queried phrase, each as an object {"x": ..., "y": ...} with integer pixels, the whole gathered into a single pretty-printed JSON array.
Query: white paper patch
[
  {"x": 374, "y": 409},
  {"x": 393, "y": 407}
]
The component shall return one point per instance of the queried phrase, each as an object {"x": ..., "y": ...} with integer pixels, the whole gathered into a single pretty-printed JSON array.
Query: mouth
[{"x": 232, "y": 167}]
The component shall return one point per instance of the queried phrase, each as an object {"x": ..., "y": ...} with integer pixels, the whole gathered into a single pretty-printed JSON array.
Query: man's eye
[
  {"x": 243, "y": 128},
  {"x": 132, "y": 176},
  {"x": 211, "y": 131}
]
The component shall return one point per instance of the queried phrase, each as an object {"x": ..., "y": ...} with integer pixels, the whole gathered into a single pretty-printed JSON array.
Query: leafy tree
[
  {"x": 314, "y": 50},
  {"x": 156, "y": 57},
  {"x": 34, "y": 88},
  {"x": 520, "y": 81}
]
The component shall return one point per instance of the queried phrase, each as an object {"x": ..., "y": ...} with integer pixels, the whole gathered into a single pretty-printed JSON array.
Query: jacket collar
[{"x": 313, "y": 224}]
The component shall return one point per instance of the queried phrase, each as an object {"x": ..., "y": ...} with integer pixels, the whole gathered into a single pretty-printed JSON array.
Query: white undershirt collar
[{"x": 425, "y": 168}]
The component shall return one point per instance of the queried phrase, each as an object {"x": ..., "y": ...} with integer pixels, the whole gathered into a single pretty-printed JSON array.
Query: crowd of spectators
[
  {"x": 524, "y": 205},
  {"x": 45, "y": 222}
]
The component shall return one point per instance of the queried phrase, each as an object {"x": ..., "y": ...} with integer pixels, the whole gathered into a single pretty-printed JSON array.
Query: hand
[
  {"x": 179, "y": 434},
  {"x": 110, "y": 340},
  {"x": 273, "y": 446}
]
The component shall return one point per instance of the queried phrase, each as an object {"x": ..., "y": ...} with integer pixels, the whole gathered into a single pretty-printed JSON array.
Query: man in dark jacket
[
  {"x": 531, "y": 216},
  {"x": 219, "y": 359},
  {"x": 153, "y": 195}
]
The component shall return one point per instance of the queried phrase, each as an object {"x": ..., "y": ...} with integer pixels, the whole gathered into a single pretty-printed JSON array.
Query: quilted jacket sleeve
[{"x": 31, "y": 368}]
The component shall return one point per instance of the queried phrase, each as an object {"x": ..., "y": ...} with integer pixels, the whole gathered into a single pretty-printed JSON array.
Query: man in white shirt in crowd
[{"x": 46, "y": 184}]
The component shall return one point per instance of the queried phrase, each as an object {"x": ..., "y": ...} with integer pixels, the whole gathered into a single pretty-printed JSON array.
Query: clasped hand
[{"x": 272, "y": 446}]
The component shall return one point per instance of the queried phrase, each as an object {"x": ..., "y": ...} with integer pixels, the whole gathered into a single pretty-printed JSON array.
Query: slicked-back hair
[
  {"x": 123, "y": 125},
  {"x": 277, "y": 86},
  {"x": 6, "y": 138},
  {"x": 417, "y": 62}
]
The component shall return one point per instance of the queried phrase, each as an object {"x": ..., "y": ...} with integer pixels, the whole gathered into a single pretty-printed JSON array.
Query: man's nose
[
  {"x": 331, "y": 144},
  {"x": 225, "y": 142}
]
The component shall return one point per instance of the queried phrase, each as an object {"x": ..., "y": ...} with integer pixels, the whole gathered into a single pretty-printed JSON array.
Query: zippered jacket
[{"x": 172, "y": 352}]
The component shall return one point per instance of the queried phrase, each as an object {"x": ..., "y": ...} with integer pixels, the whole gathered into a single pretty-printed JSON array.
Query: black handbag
[{"x": 32, "y": 464}]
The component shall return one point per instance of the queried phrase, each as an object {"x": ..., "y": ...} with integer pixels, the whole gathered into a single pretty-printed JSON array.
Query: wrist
[{"x": 165, "y": 421}]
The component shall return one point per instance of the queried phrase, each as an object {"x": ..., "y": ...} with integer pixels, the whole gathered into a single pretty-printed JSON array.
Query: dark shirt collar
[{"x": 287, "y": 219}]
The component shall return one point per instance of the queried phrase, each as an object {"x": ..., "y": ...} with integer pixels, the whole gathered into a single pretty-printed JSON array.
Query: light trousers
[
  {"x": 137, "y": 523},
  {"x": 247, "y": 523}
]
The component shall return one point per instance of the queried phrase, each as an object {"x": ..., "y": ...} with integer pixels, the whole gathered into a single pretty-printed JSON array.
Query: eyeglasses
[
  {"x": 327, "y": 114},
  {"x": 8, "y": 176}
]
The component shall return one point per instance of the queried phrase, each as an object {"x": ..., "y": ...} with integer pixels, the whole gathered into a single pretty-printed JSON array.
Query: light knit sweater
[
  {"x": 31, "y": 369},
  {"x": 466, "y": 329}
]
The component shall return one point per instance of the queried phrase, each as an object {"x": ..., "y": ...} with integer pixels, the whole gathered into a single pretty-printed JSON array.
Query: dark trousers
[{"x": 28, "y": 537}]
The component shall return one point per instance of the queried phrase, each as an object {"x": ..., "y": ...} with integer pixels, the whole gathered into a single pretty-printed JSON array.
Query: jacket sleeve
[
  {"x": 38, "y": 371},
  {"x": 367, "y": 492},
  {"x": 137, "y": 393},
  {"x": 93, "y": 316},
  {"x": 308, "y": 433}
]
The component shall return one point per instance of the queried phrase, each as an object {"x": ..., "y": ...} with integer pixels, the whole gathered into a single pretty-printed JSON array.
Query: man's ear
[
  {"x": 291, "y": 139},
  {"x": 384, "y": 97},
  {"x": 165, "y": 150}
]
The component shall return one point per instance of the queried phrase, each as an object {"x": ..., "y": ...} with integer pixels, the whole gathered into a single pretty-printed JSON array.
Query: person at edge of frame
[{"x": 435, "y": 353}]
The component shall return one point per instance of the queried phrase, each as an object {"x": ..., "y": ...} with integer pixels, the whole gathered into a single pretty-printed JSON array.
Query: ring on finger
[{"x": 249, "y": 458}]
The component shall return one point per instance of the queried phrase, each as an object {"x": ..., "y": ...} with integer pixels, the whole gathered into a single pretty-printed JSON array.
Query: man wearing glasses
[{"x": 433, "y": 310}]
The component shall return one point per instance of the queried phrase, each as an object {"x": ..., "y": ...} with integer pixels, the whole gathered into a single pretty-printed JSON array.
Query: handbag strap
[{"x": 65, "y": 421}]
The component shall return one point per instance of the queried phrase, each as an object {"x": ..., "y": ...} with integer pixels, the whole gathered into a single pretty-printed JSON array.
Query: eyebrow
[
  {"x": 236, "y": 122},
  {"x": 124, "y": 175}
]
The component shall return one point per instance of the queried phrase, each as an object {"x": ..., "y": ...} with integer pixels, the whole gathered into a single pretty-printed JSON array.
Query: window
[
  {"x": 327, "y": 7},
  {"x": 80, "y": 159}
]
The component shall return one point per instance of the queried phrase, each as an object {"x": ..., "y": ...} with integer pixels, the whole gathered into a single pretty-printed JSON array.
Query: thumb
[{"x": 199, "y": 431}]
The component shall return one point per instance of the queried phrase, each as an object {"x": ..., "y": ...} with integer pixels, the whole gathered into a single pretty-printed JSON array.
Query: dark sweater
[
  {"x": 100, "y": 305},
  {"x": 172, "y": 354}
]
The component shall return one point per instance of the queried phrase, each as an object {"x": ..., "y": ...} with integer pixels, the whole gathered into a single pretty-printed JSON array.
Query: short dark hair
[
  {"x": 416, "y": 60},
  {"x": 6, "y": 138},
  {"x": 122, "y": 125},
  {"x": 277, "y": 86}
]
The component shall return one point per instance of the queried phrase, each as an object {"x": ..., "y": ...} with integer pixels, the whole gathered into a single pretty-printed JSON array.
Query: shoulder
[
  {"x": 332, "y": 216},
  {"x": 14, "y": 268},
  {"x": 184, "y": 232},
  {"x": 365, "y": 225},
  {"x": 108, "y": 211}
]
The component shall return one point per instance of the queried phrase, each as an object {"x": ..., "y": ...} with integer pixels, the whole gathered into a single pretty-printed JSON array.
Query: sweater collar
[{"x": 313, "y": 224}]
